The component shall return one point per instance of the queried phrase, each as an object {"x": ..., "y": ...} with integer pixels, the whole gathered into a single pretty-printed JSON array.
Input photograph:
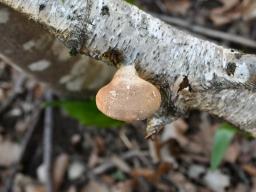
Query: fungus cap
[{"x": 128, "y": 97}]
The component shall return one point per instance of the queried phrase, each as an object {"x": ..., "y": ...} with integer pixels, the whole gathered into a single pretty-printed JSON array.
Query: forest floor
[{"x": 90, "y": 159}]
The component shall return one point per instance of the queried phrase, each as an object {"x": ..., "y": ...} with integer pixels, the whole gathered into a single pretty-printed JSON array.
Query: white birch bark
[{"x": 192, "y": 73}]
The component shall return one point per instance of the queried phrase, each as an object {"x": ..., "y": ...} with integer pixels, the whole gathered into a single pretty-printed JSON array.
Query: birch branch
[{"x": 192, "y": 73}]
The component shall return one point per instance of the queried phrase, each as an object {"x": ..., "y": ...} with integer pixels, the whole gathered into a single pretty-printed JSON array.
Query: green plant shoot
[
  {"x": 86, "y": 113},
  {"x": 222, "y": 139}
]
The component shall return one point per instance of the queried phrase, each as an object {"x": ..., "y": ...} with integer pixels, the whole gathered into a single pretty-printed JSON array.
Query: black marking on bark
[
  {"x": 231, "y": 68},
  {"x": 238, "y": 55},
  {"x": 73, "y": 51},
  {"x": 185, "y": 84},
  {"x": 105, "y": 11},
  {"x": 41, "y": 7},
  {"x": 115, "y": 56}
]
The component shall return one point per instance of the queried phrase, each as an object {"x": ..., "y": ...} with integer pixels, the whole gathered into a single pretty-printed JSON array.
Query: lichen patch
[{"x": 231, "y": 68}]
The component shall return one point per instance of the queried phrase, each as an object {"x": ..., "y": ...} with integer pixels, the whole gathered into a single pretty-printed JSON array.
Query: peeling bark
[{"x": 192, "y": 73}]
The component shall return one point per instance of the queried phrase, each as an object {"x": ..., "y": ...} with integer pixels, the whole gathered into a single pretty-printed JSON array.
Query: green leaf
[
  {"x": 130, "y": 1},
  {"x": 86, "y": 113},
  {"x": 222, "y": 139}
]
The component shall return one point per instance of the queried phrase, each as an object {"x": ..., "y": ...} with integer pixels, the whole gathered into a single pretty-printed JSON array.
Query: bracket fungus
[{"x": 128, "y": 97}]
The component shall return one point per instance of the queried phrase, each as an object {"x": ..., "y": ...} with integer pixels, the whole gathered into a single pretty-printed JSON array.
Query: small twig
[
  {"x": 207, "y": 32},
  {"x": 26, "y": 143},
  {"x": 47, "y": 142},
  {"x": 109, "y": 164}
]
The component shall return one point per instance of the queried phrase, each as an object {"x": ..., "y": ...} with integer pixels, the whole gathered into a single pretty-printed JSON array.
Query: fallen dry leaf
[
  {"x": 195, "y": 171},
  {"x": 41, "y": 173},
  {"x": 175, "y": 131},
  {"x": 249, "y": 11},
  {"x": 94, "y": 186},
  {"x": 230, "y": 11},
  {"x": 35, "y": 188},
  {"x": 253, "y": 184},
  {"x": 11, "y": 153},
  {"x": 72, "y": 189},
  {"x": 154, "y": 150},
  {"x": 241, "y": 187},
  {"x": 27, "y": 184},
  {"x": 182, "y": 183},
  {"x": 126, "y": 186},
  {"x": 233, "y": 152},
  {"x": 250, "y": 169},
  {"x": 94, "y": 158},
  {"x": 227, "y": 5},
  {"x": 100, "y": 145},
  {"x": 217, "y": 181},
  {"x": 152, "y": 175},
  {"x": 59, "y": 170},
  {"x": 148, "y": 174},
  {"x": 75, "y": 170},
  {"x": 121, "y": 164},
  {"x": 177, "y": 6},
  {"x": 233, "y": 10}
]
